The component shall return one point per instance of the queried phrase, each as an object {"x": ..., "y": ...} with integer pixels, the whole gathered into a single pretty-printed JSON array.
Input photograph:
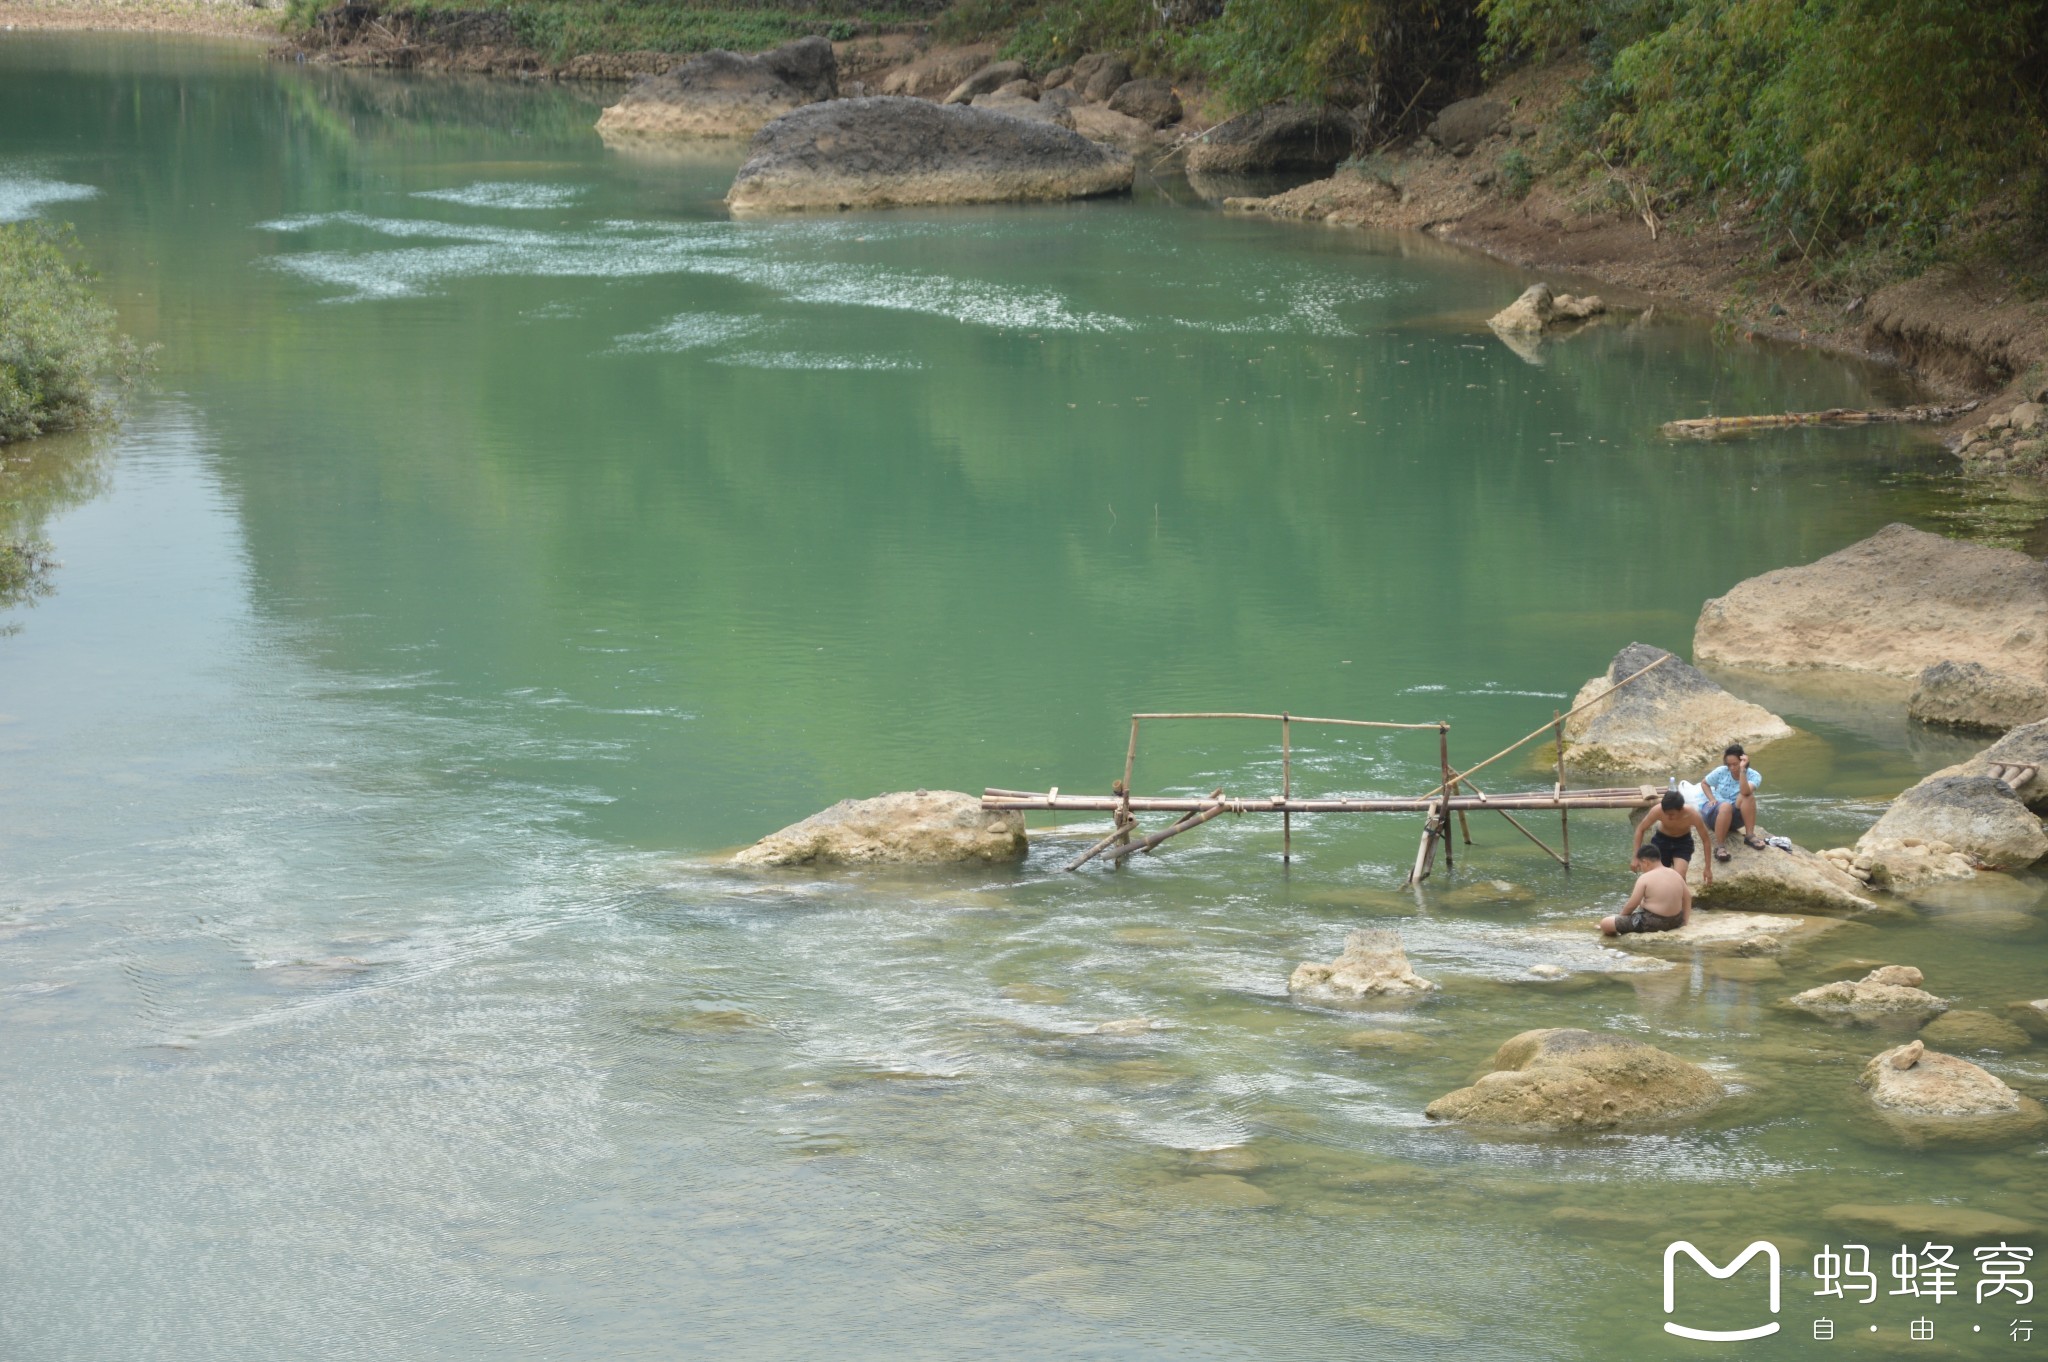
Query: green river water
[{"x": 506, "y": 531}]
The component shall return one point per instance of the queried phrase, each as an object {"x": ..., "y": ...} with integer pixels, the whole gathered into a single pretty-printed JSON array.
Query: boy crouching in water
[{"x": 1662, "y": 899}]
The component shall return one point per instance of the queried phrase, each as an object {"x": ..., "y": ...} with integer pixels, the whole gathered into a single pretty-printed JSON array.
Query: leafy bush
[
  {"x": 1877, "y": 123},
  {"x": 566, "y": 28},
  {"x": 1517, "y": 175},
  {"x": 57, "y": 339}
]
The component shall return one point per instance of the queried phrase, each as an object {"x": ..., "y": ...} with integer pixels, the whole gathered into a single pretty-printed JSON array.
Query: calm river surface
[{"x": 506, "y": 531}]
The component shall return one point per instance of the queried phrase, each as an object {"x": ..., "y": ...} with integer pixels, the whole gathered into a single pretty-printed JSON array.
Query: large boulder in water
[
  {"x": 1278, "y": 137},
  {"x": 1930, "y": 1096},
  {"x": 1980, "y": 817},
  {"x": 1775, "y": 879},
  {"x": 1373, "y": 967},
  {"x": 880, "y": 153},
  {"x": 1673, "y": 720},
  {"x": 1568, "y": 1079},
  {"x": 725, "y": 94},
  {"x": 1970, "y": 696},
  {"x": 1894, "y": 604},
  {"x": 924, "y": 827}
]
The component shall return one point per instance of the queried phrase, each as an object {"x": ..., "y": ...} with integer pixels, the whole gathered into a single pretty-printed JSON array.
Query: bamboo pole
[
  {"x": 1564, "y": 816},
  {"x": 1443, "y": 747},
  {"x": 1629, "y": 797},
  {"x": 1286, "y": 792},
  {"x": 1297, "y": 718},
  {"x": 1187, "y": 824},
  {"x": 1097, "y": 849},
  {"x": 1124, "y": 820},
  {"x": 1524, "y": 830}
]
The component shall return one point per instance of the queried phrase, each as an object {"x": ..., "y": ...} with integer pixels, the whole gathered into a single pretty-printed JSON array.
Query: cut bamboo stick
[{"x": 1706, "y": 427}]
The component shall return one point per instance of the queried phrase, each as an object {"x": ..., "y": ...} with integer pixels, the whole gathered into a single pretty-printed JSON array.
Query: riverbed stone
[
  {"x": 1972, "y": 697},
  {"x": 1975, "y": 815},
  {"x": 1893, "y": 604},
  {"x": 875, "y": 153},
  {"x": 1017, "y": 106},
  {"x": 1538, "y": 309},
  {"x": 1774, "y": 879},
  {"x": 922, "y": 827},
  {"x": 1100, "y": 75},
  {"x": 725, "y": 94},
  {"x": 935, "y": 74},
  {"x": 2032, "y": 1016},
  {"x": 1278, "y": 137},
  {"x": 1387, "y": 1042},
  {"x": 1372, "y": 968},
  {"x": 1925, "y": 1221},
  {"x": 1571, "y": 1079},
  {"x": 1729, "y": 933},
  {"x": 1151, "y": 102},
  {"x": 1973, "y": 1029},
  {"x": 987, "y": 80},
  {"x": 1888, "y": 991},
  {"x": 1936, "y": 1084},
  {"x": 1674, "y": 719},
  {"x": 1465, "y": 124}
]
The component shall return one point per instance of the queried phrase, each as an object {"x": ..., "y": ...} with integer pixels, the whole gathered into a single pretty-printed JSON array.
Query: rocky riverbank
[{"x": 212, "y": 18}]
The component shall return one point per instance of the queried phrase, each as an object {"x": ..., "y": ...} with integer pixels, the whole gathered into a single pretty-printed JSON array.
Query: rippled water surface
[{"x": 507, "y": 532}]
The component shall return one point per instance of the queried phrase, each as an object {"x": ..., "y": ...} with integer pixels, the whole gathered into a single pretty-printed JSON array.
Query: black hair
[
  {"x": 1733, "y": 749},
  {"x": 1646, "y": 852},
  {"x": 1673, "y": 801}
]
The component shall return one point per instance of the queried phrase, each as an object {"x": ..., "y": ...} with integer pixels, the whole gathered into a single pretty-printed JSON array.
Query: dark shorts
[
  {"x": 1713, "y": 814},
  {"x": 1674, "y": 848},
  {"x": 1643, "y": 920}
]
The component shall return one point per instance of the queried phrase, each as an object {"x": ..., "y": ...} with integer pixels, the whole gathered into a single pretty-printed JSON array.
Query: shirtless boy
[
  {"x": 1676, "y": 822},
  {"x": 1661, "y": 901}
]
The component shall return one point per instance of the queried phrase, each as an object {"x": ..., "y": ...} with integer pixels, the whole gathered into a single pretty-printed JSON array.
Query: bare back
[{"x": 1663, "y": 890}]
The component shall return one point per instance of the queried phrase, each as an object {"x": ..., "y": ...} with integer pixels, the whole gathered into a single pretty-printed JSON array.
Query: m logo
[{"x": 1671, "y": 1252}]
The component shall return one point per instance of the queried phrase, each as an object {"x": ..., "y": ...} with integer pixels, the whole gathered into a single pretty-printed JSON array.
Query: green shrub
[
  {"x": 1517, "y": 175},
  {"x": 57, "y": 339}
]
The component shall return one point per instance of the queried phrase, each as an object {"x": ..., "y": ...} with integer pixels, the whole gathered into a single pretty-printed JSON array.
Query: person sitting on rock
[
  {"x": 1731, "y": 804},
  {"x": 1661, "y": 902},
  {"x": 1676, "y": 820}
]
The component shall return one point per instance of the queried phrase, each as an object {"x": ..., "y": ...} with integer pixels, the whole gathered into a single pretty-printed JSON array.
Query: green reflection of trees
[{"x": 39, "y": 478}]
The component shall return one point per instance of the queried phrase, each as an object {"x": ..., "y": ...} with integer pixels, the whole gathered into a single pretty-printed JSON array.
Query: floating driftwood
[
  {"x": 1449, "y": 797},
  {"x": 1707, "y": 427}
]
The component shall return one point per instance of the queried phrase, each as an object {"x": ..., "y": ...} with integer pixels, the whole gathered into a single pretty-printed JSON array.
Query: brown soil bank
[{"x": 1962, "y": 328}]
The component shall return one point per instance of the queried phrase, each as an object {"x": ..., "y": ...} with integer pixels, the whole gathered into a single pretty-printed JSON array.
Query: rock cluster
[
  {"x": 1278, "y": 137},
  {"x": 1974, "y": 815},
  {"x": 1673, "y": 720},
  {"x": 1894, "y": 604},
  {"x": 1569, "y": 1079},
  {"x": 724, "y": 94},
  {"x": 925, "y": 827},
  {"x": 2014, "y": 440},
  {"x": 1887, "y": 991},
  {"x": 881, "y": 152},
  {"x": 1900, "y": 863},
  {"x": 1373, "y": 966},
  {"x": 1539, "y": 310},
  {"x": 1970, "y": 696},
  {"x": 1776, "y": 879},
  {"x": 1096, "y": 96}
]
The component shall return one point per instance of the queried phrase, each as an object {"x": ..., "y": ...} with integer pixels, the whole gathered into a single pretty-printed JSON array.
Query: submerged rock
[
  {"x": 725, "y": 94},
  {"x": 924, "y": 827},
  {"x": 1975, "y": 815},
  {"x": 2032, "y": 1016},
  {"x": 1895, "y": 604},
  {"x": 1970, "y": 696},
  {"x": 1887, "y": 991},
  {"x": 1568, "y": 1079},
  {"x": 877, "y": 153},
  {"x": 1675, "y": 719},
  {"x": 1278, "y": 137},
  {"x": 1933, "y": 1222},
  {"x": 1776, "y": 879},
  {"x": 1538, "y": 309},
  {"x": 1975, "y": 1030},
  {"x": 1373, "y": 966}
]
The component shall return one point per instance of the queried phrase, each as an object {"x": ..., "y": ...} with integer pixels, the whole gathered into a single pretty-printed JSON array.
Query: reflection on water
[{"x": 511, "y": 530}]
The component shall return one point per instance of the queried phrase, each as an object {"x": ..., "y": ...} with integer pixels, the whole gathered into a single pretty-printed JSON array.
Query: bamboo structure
[
  {"x": 1706, "y": 427},
  {"x": 1456, "y": 794}
]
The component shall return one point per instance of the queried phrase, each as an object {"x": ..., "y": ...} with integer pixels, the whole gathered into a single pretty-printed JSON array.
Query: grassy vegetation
[
  {"x": 561, "y": 29},
  {"x": 1871, "y": 135},
  {"x": 57, "y": 338}
]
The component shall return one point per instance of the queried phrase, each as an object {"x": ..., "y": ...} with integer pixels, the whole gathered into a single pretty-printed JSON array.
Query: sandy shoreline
[{"x": 219, "y": 20}]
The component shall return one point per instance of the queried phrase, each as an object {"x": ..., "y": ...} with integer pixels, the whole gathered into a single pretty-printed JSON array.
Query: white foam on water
[
  {"x": 23, "y": 196},
  {"x": 793, "y": 359},
  {"x": 688, "y": 331},
  {"x": 506, "y": 194}
]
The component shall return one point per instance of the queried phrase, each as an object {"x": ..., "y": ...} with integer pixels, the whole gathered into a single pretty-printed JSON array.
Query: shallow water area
[{"x": 507, "y": 532}]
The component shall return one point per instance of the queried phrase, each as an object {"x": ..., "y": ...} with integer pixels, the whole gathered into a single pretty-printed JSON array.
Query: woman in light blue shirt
[{"x": 1732, "y": 788}]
